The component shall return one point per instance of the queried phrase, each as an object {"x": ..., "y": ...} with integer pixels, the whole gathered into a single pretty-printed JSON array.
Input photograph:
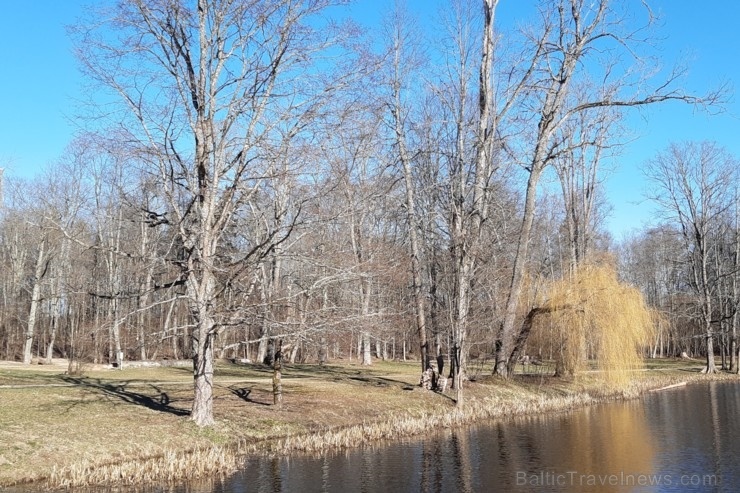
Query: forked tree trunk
[{"x": 56, "y": 304}]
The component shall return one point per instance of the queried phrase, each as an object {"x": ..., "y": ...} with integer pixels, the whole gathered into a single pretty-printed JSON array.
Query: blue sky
[{"x": 40, "y": 84}]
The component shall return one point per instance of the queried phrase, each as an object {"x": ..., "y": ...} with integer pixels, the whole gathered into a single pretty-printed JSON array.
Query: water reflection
[
  {"x": 668, "y": 441},
  {"x": 608, "y": 447}
]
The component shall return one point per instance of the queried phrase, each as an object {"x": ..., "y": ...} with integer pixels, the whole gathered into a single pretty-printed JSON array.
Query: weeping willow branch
[{"x": 591, "y": 314}]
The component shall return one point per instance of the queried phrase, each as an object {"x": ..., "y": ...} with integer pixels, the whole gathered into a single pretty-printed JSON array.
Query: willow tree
[
  {"x": 207, "y": 88},
  {"x": 590, "y": 313}
]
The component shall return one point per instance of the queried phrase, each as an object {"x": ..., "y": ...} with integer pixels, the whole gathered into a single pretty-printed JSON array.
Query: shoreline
[{"x": 222, "y": 453}]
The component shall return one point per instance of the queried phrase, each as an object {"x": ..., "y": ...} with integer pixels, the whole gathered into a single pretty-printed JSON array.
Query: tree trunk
[
  {"x": 56, "y": 304},
  {"x": 711, "y": 367},
  {"x": 39, "y": 272},
  {"x": 506, "y": 335},
  {"x": 55, "y": 315},
  {"x": 367, "y": 359},
  {"x": 202, "y": 410},
  {"x": 411, "y": 218},
  {"x": 201, "y": 295},
  {"x": 323, "y": 350},
  {"x": 277, "y": 384},
  {"x": 734, "y": 363},
  {"x": 115, "y": 354}
]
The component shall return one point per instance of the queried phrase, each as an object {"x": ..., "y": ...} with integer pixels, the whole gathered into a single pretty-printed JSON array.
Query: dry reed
[
  {"x": 520, "y": 401},
  {"x": 172, "y": 466}
]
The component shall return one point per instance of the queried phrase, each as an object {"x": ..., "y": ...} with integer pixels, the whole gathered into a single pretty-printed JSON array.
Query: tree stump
[{"x": 426, "y": 381}]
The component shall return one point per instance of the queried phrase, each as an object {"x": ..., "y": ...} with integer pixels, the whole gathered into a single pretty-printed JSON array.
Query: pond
[{"x": 683, "y": 439}]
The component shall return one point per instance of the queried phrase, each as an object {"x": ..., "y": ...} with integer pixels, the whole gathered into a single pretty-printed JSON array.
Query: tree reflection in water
[{"x": 663, "y": 435}]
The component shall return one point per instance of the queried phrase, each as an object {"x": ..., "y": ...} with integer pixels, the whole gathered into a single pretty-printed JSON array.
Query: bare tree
[
  {"x": 694, "y": 186},
  {"x": 470, "y": 166},
  {"x": 39, "y": 245},
  {"x": 578, "y": 165},
  {"x": 405, "y": 59},
  {"x": 42, "y": 267},
  {"x": 229, "y": 76}
]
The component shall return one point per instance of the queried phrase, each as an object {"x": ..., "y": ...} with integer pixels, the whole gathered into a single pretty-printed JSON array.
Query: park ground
[{"x": 107, "y": 426}]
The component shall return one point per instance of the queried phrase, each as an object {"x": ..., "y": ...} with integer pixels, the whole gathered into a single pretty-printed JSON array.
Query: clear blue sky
[{"x": 39, "y": 82}]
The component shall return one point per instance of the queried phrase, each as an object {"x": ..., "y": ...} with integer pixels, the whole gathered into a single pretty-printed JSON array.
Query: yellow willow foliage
[{"x": 591, "y": 313}]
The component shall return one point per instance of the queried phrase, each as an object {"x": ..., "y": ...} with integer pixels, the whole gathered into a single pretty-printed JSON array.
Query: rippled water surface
[{"x": 684, "y": 439}]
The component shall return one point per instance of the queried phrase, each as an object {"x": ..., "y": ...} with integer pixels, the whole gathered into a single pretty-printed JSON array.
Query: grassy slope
[{"x": 117, "y": 425}]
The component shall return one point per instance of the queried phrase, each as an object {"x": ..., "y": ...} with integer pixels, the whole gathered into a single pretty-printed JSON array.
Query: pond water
[{"x": 683, "y": 439}]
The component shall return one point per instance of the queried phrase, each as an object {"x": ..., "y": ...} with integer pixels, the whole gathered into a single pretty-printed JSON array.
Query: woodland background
[{"x": 261, "y": 176}]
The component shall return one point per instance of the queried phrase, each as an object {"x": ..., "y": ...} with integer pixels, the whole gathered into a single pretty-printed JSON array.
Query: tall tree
[
  {"x": 206, "y": 85},
  {"x": 473, "y": 129},
  {"x": 470, "y": 166},
  {"x": 405, "y": 61}
]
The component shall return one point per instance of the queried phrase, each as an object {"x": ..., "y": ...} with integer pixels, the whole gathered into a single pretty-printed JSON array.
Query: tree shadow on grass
[
  {"x": 364, "y": 376},
  {"x": 332, "y": 373},
  {"x": 160, "y": 401},
  {"x": 243, "y": 393}
]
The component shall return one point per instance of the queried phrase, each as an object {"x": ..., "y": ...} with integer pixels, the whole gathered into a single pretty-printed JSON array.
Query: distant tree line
[{"x": 259, "y": 177}]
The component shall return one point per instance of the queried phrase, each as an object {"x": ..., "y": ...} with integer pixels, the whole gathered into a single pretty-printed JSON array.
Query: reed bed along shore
[
  {"x": 130, "y": 427},
  {"x": 516, "y": 400}
]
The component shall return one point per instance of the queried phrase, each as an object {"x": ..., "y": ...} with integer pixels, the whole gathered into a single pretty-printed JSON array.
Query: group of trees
[
  {"x": 688, "y": 266},
  {"x": 269, "y": 179}
]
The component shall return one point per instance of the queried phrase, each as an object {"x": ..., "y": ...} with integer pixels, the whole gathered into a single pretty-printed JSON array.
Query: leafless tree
[
  {"x": 474, "y": 127},
  {"x": 405, "y": 60},
  {"x": 579, "y": 168},
  {"x": 206, "y": 88},
  {"x": 694, "y": 186}
]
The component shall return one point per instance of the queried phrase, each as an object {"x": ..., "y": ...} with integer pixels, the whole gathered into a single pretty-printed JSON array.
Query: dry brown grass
[{"x": 125, "y": 426}]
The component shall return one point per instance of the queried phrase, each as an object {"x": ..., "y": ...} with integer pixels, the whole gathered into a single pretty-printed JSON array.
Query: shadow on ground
[
  {"x": 331, "y": 373},
  {"x": 244, "y": 393},
  {"x": 156, "y": 400}
]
